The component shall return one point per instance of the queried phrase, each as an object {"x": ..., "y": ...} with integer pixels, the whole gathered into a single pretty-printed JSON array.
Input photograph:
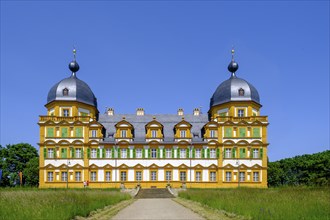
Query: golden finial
[
  {"x": 74, "y": 53},
  {"x": 232, "y": 53}
]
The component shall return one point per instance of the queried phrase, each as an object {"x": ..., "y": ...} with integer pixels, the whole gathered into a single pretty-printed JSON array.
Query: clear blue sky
[{"x": 168, "y": 55}]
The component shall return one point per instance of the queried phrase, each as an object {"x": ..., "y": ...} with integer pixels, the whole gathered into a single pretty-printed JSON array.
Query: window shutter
[
  {"x": 62, "y": 152},
  {"x": 88, "y": 153},
  {"x": 50, "y": 132},
  {"x": 172, "y": 152},
  {"x": 187, "y": 153},
  {"x": 241, "y": 153},
  {"x": 158, "y": 153},
  {"x": 119, "y": 153},
  {"x": 208, "y": 153},
  {"x": 72, "y": 152},
  {"x": 82, "y": 152},
  {"x": 178, "y": 153},
  {"x": 233, "y": 153},
  {"x": 193, "y": 153},
  {"x": 251, "y": 153},
  {"x": 45, "y": 152},
  {"x": 149, "y": 153},
  {"x": 256, "y": 132},
  {"x": 218, "y": 152},
  {"x": 103, "y": 152},
  {"x": 164, "y": 151},
  {"x": 113, "y": 153},
  {"x": 223, "y": 154},
  {"x": 203, "y": 152},
  {"x": 261, "y": 152},
  {"x": 244, "y": 154},
  {"x": 64, "y": 132},
  {"x": 134, "y": 153},
  {"x": 98, "y": 153}
]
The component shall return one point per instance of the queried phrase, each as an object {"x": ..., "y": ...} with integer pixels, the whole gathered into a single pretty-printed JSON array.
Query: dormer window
[
  {"x": 241, "y": 92},
  {"x": 123, "y": 133},
  {"x": 65, "y": 92},
  {"x": 153, "y": 133},
  {"x": 183, "y": 133}
]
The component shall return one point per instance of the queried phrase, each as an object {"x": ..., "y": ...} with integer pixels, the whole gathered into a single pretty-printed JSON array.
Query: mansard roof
[{"x": 140, "y": 121}]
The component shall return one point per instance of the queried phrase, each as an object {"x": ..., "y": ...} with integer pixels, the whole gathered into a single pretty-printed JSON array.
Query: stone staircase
[{"x": 153, "y": 193}]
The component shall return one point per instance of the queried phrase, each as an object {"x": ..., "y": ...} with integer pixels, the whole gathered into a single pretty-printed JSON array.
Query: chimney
[
  {"x": 139, "y": 111},
  {"x": 180, "y": 111},
  {"x": 196, "y": 111},
  {"x": 110, "y": 111}
]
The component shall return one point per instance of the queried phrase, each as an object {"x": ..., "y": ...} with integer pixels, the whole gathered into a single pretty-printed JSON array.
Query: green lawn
[
  {"x": 54, "y": 204},
  {"x": 274, "y": 203}
]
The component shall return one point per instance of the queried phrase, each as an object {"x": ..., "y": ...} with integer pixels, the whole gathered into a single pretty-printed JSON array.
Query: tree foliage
[
  {"x": 19, "y": 158},
  {"x": 308, "y": 169}
]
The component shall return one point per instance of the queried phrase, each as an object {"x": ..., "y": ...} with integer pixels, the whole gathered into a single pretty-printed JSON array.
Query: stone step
[{"x": 153, "y": 193}]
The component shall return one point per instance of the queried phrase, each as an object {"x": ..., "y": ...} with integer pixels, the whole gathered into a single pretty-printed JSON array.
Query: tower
[{"x": 235, "y": 106}]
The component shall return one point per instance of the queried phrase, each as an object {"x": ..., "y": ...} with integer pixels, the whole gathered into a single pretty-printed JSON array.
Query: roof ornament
[
  {"x": 73, "y": 66},
  {"x": 233, "y": 66}
]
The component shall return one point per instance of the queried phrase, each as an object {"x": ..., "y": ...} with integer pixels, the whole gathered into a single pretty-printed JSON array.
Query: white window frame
[
  {"x": 228, "y": 153},
  {"x": 228, "y": 176},
  {"x": 242, "y": 176},
  {"x": 183, "y": 174},
  {"x": 50, "y": 153},
  {"x": 183, "y": 153},
  {"x": 64, "y": 176},
  {"x": 240, "y": 113},
  {"x": 123, "y": 176},
  {"x": 183, "y": 133},
  {"x": 123, "y": 133},
  {"x": 153, "y": 153},
  {"x": 154, "y": 133},
  {"x": 168, "y": 175},
  {"x": 93, "y": 153},
  {"x": 256, "y": 177},
  {"x": 78, "y": 176},
  {"x": 138, "y": 175},
  {"x": 108, "y": 153},
  {"x": 213, "y": 133},
  {"x": 153, "y": 175},
  {"x": 123, "y": 153},
  {"x": 66, "y": 112},
  {"x": 108, "y": 176},
  {"x": 93, "y": 133},
  {"x": 198, "y": 153},
  {"x": 50, "y": 176},
  {"x": 78, "y": 152},
  {"x": 138, "y": 153},
  {"x": 213, "y": 176},
  {"x": 168, "y": 152},
  {"x": 255, "y": 153},
  {"x": 213, "y": 153},
  {"x": 93, "y": 176},
  {"x": 198, "y": 176}
]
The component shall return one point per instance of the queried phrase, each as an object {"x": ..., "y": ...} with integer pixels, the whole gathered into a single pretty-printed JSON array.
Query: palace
[{"x": 225, "y": 148}]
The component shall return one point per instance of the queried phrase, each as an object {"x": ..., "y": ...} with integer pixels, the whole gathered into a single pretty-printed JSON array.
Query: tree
[{"x": 19, "y": 158}]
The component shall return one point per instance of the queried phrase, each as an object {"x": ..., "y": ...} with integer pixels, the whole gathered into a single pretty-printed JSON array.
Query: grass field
[
  {"x": 54, "y": 204},
  {"x": 274, "y": 203}
]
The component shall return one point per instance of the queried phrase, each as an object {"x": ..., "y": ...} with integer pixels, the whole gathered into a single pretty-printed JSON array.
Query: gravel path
[{"x": 156, "y": 209}]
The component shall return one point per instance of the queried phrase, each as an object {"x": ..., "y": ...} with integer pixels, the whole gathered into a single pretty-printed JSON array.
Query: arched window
[
  {"x": 241, "y": 92},
  {"x": 65, "y": 92}
]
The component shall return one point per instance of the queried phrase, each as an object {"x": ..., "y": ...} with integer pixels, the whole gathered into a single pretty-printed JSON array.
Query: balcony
[
  {"x": 44, "y": 118},
  {"x": 263, "y": 119}
]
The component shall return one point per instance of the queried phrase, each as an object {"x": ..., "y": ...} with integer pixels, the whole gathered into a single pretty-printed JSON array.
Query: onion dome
[
  {"x": 234, "y": 89},
  {"x": 72, "y": 88}
]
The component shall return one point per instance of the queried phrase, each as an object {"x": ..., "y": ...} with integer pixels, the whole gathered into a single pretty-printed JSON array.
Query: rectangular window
[
  {"x": 255, "y": 176},
  {"x": 50, "y": 132},
  {"x": 66, "y": 113},
  {"x": 50, "y": 153},
  {"x": 108, "y": 176},
  {"x": 198, "y": 176},
  {"x": 213, "y": 176},
  {"x": 123, "y": 153},
  {"x": 78, "y": 176},
  {"x": 153, "y": 153},
  {"x": 168, "y": 175},
  {"x": 153, "y": 175},
  {"x": 198, "y": 153},
  {"x": 108, "y": 153},
  {"x": 64, "y": 176},
  {"x": 138, "y": 176},
  {"x": 228, "y": 132},
  {"x": 213, "y": 153},
  {"x": 241, "y": 176},
  {"x": 78, "y": 153},
  {"x": 256, "y": 132},
  {"x": 93, "y": 176},
  {"x": 242, "y": 132},
  {"x": 123, "y": 133},
  {"x": 182, "y": 176},
  {"x": 182, "y": 153},
  {"x": 168, "y": 152},
  {"x": 93, "y": 153},
  {"x": 228, "y": 176},
  {"x": 154, "y": 133},
  {"x": 93, "y": 133},
  {"x": 183, "y": 133},
  {"x": 138, "y": 153},
  {"x": 64, "y": 132},
  {"x": 79, "y": 132},
  {"x": 50, "y": 177},
  {"x": 123, "y": 176},
  {"x": 240, "y": 113},
  {"x": 255, "y": 153},
  {"x": 213, "y": 133},
  {"x": 227, "y": 153}
]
